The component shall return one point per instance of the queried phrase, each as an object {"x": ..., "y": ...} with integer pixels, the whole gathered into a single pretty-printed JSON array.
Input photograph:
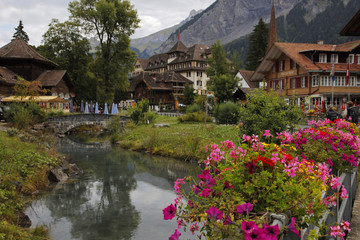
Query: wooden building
[
  {"x": 18, "y": 59},
  {"x": 163, "y": 89},
  {"x": 245, "y": 86}
]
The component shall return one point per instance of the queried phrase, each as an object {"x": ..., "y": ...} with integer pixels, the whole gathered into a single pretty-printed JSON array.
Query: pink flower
[
  {"x": 271, "y": 232},
  {"x": 336, "y": 231},
  {"x": 228, "y": 221},
  {"x": 345, "y": 225},
  {"x": 194, "y": 228},
  {"x": 175, "y": 236},
  {"x": 292, "y": 227},
  {"x": 256, "y": 234},
  {"x": 169, "y": 212},
  {"x": 334, "y": 182},
  {"x": 179, "y": 223},
  {"x": 214, "y": 213},
  {"x": 205, "y": 193},
  {"x": 244, "y": 208},
  {"x": 343, "y": 193},
  {"x": 248, "y": 227},
  {"x": 246, "y": 138},
  {"x": 227, "y": 185},
  {"x": 267, "y": 133},
  {"x": 178, "y": 183}
]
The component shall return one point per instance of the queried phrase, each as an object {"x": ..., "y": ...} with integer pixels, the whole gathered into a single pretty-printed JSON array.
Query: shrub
[
  {"x": 137, "y": 114},
  {"x": 267, "y": 110},
  {"x": 227, "y": 113},
  {"x": 151, "y": 116},
  {"x": 194, "y": 117},
  {"x": 194, "y": 108}
]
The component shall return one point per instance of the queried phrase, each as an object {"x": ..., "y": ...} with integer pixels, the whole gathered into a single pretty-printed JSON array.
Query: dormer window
[
  {"x": 334, "y": 58},
  {"x": 322, "y": 58},
  {"x": 281, "y": 66},
  {"x": 293, "y": 64}
]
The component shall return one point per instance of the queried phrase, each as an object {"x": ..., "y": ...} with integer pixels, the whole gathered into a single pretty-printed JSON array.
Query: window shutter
[
  {"x": 306, "y": 81},
  {"x": 277, "y": 66},
  {"x": 356, "y": 59},
  {"x": 298, "y": 82}
]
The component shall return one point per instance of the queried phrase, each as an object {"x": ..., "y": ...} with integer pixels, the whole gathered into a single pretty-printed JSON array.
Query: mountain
[
  {"x": 309, "y": 21},
  {"x": 146, "y": 46},
  {"x": 227, "y": 20}
]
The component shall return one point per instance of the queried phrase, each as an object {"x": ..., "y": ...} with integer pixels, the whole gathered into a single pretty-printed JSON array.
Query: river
[{"x": 120, "y": 196}]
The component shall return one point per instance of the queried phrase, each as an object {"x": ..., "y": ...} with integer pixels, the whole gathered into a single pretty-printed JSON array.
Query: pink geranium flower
[{"x": 175, "y": 236}]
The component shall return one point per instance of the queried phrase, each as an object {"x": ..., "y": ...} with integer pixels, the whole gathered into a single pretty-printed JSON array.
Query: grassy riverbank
[
  {"x": 23, "y": 171},
  {"x": 180, "y": 140}
]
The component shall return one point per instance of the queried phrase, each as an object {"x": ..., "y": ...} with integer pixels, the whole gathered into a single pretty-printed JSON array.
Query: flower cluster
[{"x": 242, "y": 186}]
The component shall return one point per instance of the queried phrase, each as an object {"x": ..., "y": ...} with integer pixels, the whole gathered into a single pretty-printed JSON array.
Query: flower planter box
[{"x": 336, "y": 214}]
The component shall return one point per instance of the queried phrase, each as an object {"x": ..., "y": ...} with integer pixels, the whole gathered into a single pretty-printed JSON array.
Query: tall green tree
[
  {"x": 221, "y": 82},
  {"x": 63, "y": 44},
  {"x": 189, "y": 94},
  {"x": 20, "y": 33},
  {"x": 112, "y": 22},
  {"x": 258, "y": 41}
]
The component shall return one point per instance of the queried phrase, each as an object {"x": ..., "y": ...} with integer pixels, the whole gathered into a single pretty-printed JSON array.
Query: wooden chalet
[
  {"x": 301, "y": 71},
  {"x": 352, "y": 28},
  {"x": 139, "y": 66},
  {"x": 18, "y": 59},
  {"x": 163, "y": 90},
  {"x": 245, "y": 86}
]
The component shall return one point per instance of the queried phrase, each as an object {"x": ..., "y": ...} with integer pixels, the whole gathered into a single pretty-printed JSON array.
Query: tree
[
  {"x": 221, "y": 82},
  {"x": 63, "y": 44},
  {"x": 20, "y": 33},
  {"x": 189, "y": 94},
  {"x": 112, "y": 22},
  {"x": 258, "y": 41}
]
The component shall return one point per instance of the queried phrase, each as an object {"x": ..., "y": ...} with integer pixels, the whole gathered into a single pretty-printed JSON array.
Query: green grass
[
  {"x": 180, "y": 140},
  {"x": 23, "y": 170}
]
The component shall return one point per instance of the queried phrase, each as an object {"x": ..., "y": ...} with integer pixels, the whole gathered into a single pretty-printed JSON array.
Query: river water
[{"x": 120, "y": 196}]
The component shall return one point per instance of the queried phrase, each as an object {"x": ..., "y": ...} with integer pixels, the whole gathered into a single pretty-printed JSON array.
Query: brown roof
[
  {"x": 196, "y": 52},
  {"x": 7, "y": 76},
  {"x": 352, "y": 28},
  {"x": 178, "y": 47},
  {"x": 295, "y": 51},
  {"x": 247, "y": 76},
  {"x": 158, "y": 81},
  {"x": 19, "y": 49},
  {"x": 51, "y": 78},
  {"x": 143, "y": 62},
  {"x": 158, "y": 61}
]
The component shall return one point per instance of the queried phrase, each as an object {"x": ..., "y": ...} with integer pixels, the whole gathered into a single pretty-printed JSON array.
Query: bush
[
  {"x": 137, "y": 114},
  {"x": 151, "y": 116},
  {"x": 267, "y": 110},
  {"x": 194, "y": 108},
  {"x": 227, "y": 113},
  {"x": 194, "y": 117},
  {"x": 22, "y": 116}
]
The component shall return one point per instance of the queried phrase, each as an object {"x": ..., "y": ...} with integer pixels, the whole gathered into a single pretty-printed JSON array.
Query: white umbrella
[
  {"x": 106, "y": 109},
  {"x": 86, "y": 108},
  {"x": 96, "y": 108}
]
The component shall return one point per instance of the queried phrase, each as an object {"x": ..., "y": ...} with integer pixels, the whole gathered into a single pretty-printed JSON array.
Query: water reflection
[{"x": 120, "y": 196}]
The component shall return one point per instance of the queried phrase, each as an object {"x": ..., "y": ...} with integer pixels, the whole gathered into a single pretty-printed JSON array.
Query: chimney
[{"x": 321, "y": 42}]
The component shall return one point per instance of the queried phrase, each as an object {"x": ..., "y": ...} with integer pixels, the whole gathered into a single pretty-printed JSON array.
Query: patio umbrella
[
  {"x": 116, "y": 110},
  {"x": 316, "y": 106},
  {"x": 355, "y": 103},
  {"x": 106, "y": 109},
  {"x": 82, "y": 106},
  {"x": 86, "y": 108},
  {"x": 96, "y": 108},
  {"x": 113, "y": 108},
  {"x": 91, "y": 108},
  {"x": 322, "y": 107},
  {"x": 343, "y": 106},
  {"x": 71, "y": 106}
]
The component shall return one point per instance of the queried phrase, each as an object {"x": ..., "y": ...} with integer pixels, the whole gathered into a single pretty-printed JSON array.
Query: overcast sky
[{"x": 37, "y": 14}]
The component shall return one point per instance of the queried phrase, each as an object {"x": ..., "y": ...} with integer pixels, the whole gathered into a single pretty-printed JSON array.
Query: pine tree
[
  {"x": 20, "y": 33},
  {"x": 257, "y": 45}
]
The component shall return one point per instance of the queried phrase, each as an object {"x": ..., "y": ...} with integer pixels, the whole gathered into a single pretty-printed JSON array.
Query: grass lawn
[{"x": 180, "y": 140}]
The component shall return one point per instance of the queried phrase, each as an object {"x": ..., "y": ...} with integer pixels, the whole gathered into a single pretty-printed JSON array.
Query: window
[
  {"x": 273, "y": 68},
  {"x": 199, "y": 83},
  {"x": 358, "y": 81},
  {"x": 352, "y": 81},
  {"x": 274, "y": 85},
  {"x": 351, "y": 58},
  {"x": 303, "y": 82},
  {"x": 334, "y": 58},
  {"x": 357, "y": 59},
  {"x": 281, "y": 66},
  {"x": 188, "y": 74},
  {"x": 293, "y": 64},
  {"x": 281, "y": 84},
  {"x": 323, "y": 58},
  {"x": 315, "y": 80},
  {"x": 199, "y": 74},
  {"x": 293, "y": 83}
]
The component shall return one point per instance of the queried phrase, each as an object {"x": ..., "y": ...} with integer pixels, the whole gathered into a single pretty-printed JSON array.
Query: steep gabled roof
[
  {"x": 157, "y": 61},
  {"x": 246, "y": 74},
  {"x": 295, "y": 52},
  {"x": 19, "y": 49},
  {"x": 352, "y": 28},
  {"x": 51, "y": 78},
  {"x": 196, "y": 52},
  {"x": 7, "y": 77},
  {"x": 178, "y": 47},
  {"x": 143, "y": 62}
]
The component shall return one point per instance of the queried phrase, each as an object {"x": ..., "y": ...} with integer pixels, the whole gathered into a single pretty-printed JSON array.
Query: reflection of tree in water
[{"x": 99, "y": 207}]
